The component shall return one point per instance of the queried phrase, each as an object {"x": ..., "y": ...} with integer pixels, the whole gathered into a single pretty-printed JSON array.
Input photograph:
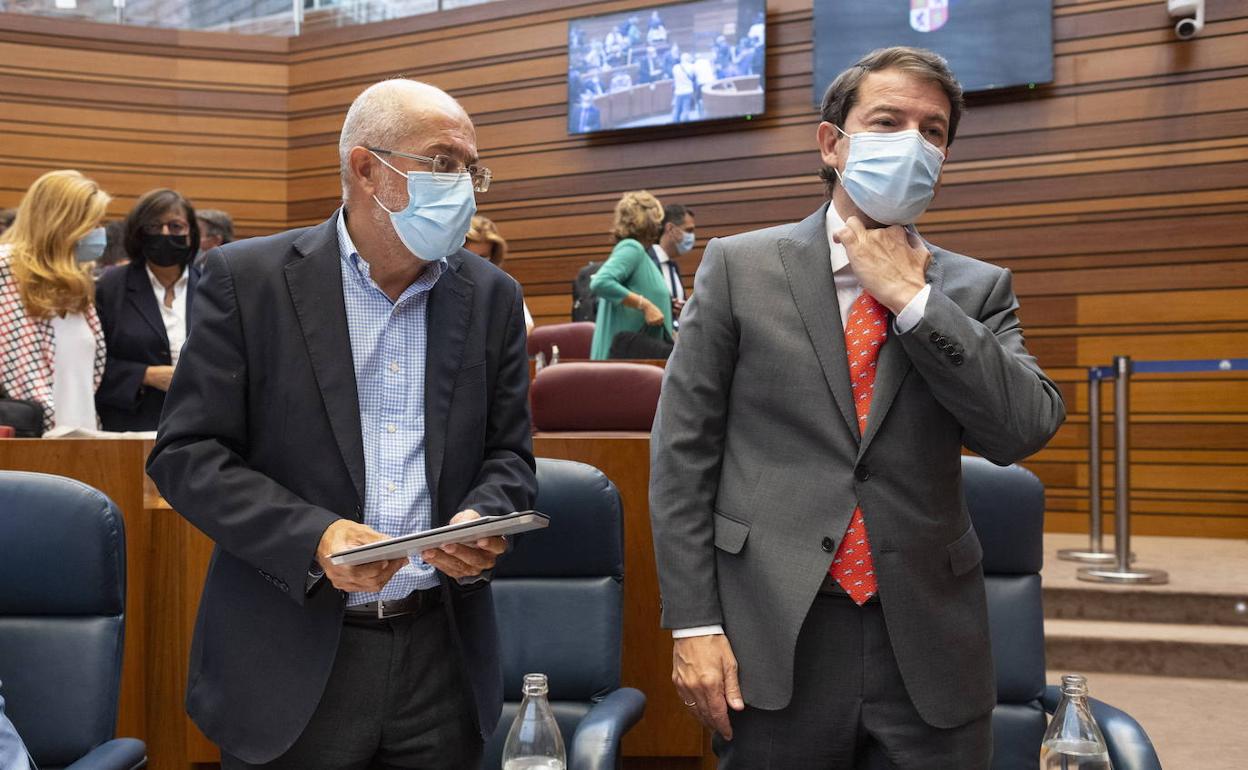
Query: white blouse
[
  {"x": 174, "y": 317},
  {"x": 73, "y": 373}
]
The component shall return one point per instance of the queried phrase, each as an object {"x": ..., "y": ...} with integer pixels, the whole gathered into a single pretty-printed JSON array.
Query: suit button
[
  {"x": 827, "y": 544},
  {"x": 862, "y": 473},
  {"x": 934, "y": 336},
  {"x": 956, "y": 358}
]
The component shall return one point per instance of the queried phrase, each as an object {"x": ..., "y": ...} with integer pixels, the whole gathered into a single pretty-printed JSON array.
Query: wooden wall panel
[
  {"x": 137, "y": 109},
  {"x": 1117, "y": 195}
]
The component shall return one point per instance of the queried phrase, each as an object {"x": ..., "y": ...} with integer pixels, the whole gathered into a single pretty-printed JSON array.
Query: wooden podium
[{"x": 166, "y": 559}]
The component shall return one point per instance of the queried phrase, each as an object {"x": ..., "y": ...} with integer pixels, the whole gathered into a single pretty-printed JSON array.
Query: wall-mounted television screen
[
  {"x": 674, "y": 63},
  {"x": 989, "y": 43}
]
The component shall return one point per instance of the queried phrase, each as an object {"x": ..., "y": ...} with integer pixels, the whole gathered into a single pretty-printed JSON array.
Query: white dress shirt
[
  {"x": 174, "y": 317},
  {"x": 674, "y": 286},
  {"x": 848, "y": 287},
  {"x": 73, "y": 373}
]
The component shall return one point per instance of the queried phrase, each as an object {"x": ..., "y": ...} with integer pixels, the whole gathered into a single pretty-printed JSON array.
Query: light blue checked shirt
[{"x": 388, "y": 346}]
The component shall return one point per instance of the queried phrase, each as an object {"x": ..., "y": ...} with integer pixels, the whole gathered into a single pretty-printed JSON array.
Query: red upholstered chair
[
  {"x": 573, "y": 339},
  {"x": 598, "y": 396}
]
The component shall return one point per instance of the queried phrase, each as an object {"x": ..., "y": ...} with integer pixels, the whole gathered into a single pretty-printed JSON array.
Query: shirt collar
[
  {"x": 834, "y": 224},
  {"x": 178, "y": 285},
  {"x": 661, "y": 254},
  {"x": 351, "y": 255}
]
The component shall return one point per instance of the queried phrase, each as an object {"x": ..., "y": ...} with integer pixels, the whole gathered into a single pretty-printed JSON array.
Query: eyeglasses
[
  {"x": 176, "y": 227},
  {"x": 447, "y": 169}
]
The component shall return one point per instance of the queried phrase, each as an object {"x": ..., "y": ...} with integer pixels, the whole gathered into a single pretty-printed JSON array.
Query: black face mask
[{"x": 167, "y": 250}]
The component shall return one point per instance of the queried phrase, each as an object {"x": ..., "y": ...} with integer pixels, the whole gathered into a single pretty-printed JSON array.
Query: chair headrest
[
  {"x": 586, "y": 533},
  {"x": 65, "y": 547},
  {"x": 605, "y": 395},
  {"x": 1007, "y": 508},
  {"x": 574, "y": 339}
]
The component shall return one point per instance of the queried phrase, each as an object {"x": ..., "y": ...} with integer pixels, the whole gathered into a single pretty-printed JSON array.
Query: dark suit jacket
[
  {"x": 589, "y": 115},
  {"x": 135, "y": 336},
  {"x": 651, "y": 71},
  {"x": 260, "y": 447},
  {"x": 666, "y": 271}
]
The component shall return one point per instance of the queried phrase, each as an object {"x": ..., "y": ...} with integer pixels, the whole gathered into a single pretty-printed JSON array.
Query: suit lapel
[
  {"x": 807, "y": 261},
  {"x": 139, "y": 293},
  {"x": 192, "y": 280},
  {"x": 315, "y": 284},
  {"x": 447, "y": 318},
  {"x": 894, "y": 364}
]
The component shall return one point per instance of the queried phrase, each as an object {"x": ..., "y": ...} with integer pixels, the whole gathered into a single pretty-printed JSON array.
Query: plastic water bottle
[
  {"x": 534, "y": 742},
  {"x": 1073, "y": 740}
]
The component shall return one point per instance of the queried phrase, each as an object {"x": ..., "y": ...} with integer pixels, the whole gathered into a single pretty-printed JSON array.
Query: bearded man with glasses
[{"x": 344, "y": 383}]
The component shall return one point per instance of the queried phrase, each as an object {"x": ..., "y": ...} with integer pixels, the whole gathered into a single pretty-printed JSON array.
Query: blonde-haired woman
[
  {"x": 484, "y": 240},
  {"x": 632, "y": 295},
  {"x": 51, "y": 344}
]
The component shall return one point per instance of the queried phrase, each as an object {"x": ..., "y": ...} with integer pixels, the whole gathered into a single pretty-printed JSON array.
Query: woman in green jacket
[{"x": 632, "y": 295}]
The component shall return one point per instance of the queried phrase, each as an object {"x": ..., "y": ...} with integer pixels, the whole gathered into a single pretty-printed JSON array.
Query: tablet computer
[{"x": 465, "y": 532}]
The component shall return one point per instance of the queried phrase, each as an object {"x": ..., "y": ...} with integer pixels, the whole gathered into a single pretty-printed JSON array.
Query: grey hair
[{"x": 382, "y": 116}]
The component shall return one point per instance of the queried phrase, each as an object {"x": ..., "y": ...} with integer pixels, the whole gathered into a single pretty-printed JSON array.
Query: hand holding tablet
[{"x": 462, "y": 532}]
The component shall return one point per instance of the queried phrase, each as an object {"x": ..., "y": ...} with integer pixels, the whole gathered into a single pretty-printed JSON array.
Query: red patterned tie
[{"x": 865, "y": 332}]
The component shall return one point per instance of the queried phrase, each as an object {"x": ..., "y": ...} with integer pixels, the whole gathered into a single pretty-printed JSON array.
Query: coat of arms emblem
[{"x": 928, "y": 15}]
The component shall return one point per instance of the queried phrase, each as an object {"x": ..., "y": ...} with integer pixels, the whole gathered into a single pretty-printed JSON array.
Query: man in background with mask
[
  {"x": 816, "y": 560},
  {"x": 677, "y": 239},
  {"x": 343, "y": 383}
]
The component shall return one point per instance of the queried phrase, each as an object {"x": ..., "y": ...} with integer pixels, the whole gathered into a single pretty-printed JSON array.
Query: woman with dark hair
[{"x": 144, "y": 307}]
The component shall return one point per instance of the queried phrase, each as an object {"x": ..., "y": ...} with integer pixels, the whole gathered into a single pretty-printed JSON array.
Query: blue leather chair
[
  {"x": 558, "y": 597},
  {"x": 62, "y": 617},
  {"x": 1007, "y": 508}
]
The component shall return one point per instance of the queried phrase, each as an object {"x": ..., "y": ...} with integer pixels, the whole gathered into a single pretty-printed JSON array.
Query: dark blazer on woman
[{"x": 134, "y": 333}]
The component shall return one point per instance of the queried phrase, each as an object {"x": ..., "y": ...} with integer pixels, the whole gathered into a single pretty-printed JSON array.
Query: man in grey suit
[{"x": 816, "y": 558}]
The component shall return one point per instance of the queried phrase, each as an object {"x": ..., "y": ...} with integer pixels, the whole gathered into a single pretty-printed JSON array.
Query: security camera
[{"x": 1191, "y": 16}]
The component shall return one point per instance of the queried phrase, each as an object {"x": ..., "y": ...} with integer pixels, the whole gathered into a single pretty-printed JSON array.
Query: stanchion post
[
  {"x": 1095, "y": 553},
  {"x": 1094, "y": 464},
  {"x": 1122, "y": 572}
]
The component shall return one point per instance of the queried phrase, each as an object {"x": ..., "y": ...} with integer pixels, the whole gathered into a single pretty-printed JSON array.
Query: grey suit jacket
[{"x": 757, "y": 462}]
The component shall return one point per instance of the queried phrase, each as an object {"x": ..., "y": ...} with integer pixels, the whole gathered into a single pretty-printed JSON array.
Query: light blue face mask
[
  {"x": 891, "y": 177},
  {"x": 91, "y": 246},
  {"x": 686, "y": 243},
  {"x": 437, "y": 216}
]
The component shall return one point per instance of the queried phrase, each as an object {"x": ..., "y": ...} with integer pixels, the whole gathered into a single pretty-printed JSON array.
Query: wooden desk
[{"x": 166, "y": 559}]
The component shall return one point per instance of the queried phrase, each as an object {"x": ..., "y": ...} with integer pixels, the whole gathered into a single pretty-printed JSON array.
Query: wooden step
[{"x": 1158, "y": 649}]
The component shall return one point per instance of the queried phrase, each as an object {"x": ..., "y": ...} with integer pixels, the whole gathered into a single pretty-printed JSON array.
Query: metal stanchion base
[
  {"x": 1089, "y": 557},
  {"x": 1113, "y": 575}
]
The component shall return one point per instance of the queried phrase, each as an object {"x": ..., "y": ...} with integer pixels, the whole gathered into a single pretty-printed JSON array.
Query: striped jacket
[{"x": 28, "y": 347}]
